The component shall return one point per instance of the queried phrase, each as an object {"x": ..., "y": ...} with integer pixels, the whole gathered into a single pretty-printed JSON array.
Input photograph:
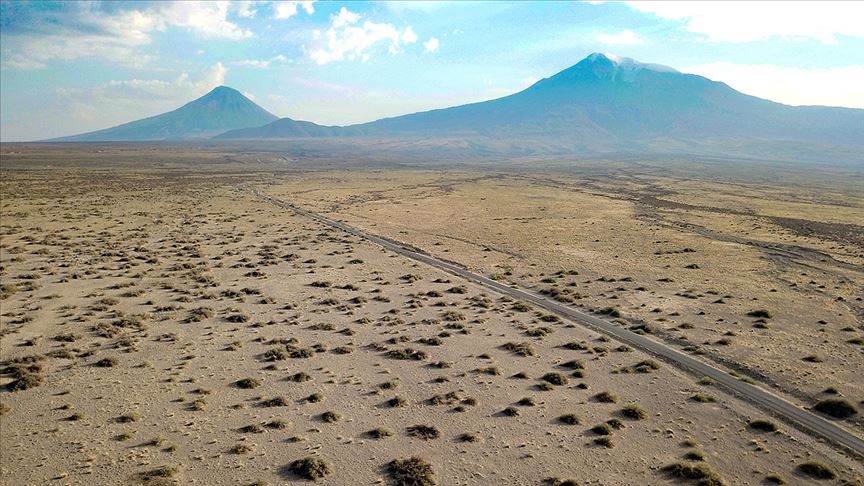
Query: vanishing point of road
[{"x": 789, "y": 412}]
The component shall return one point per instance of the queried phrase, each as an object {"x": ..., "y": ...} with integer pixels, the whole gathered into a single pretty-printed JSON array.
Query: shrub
[
  {"x": 816, "y": 470},
  {"x": 127, "y": 418},
  {"x": 301, "y": 353},
  {"x": 379, "y": 433},
  {"x": 238, "y": 318},
  {"x": 406, "y": 353},
  {"x": 694, "y": 456},
  {"x": 560, "y": 482},
  {"x": 247, "y": 383},
  {"x": 466, "y": 437},
  {"x": 275, "y": 402},
  {"x": 25, "y": 381},
  {"x": 646, "y": 366},
  {"x": 425, "y": 432},
  {"x": 555, "y": 378},
  {"x": 762, "y": 426},
  {"x": 763, "y": 313},
  {"x": 836, "y": 407},
  {"x": 573, "y": 365},
  {"x": 300, "y": 377},
  {"x": 159, "y": 472},
  {"x": 311, "y": 468},
  {"x": 277, "y": 424},
  {"x": 252, "y": 429},
  {"x": 240, "y": 449},
  {"x": 413, "y": 471},
  {"x": 107, "y": 362},
  {"x": 634, "y": 411},
  {"x": 606, "y": 397},
  {"x": 703, "y": 398},
  {"x": 695, "y": 472},
  {"x": 330, "y": 416},
  {"x": 396, "y": 402},
  {"x": 602, "y": 429},
  {"x": 275, "y": 354},
  {"x": 510, "y": 412},
  {"x": 569, "y": 419},
  {"x": 522, "y": 349},
  {"x": 774, "y": 478},
  {"x": 604, "y": 441}
]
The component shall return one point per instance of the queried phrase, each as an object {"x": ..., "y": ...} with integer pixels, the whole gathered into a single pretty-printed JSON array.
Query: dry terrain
[{"x": 161, "y": 325}]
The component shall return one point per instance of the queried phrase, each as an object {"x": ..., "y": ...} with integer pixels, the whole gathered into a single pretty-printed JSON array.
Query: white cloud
[
  {"x": 206, "y": 18},
  {"x": 431, "y": 45},
  {"x": 624, "y": 38},
  {"x": 838, "y": 86},
  {"x": 417, "y": 5},
  {"x": 760, "y": 20},
  {"x": 346, "y": 39},
  {"x": 86, "y": 29},
  {"x": 345, "y": 17},
  {"x": 261, "y": 64},
  {"x": 245, "y": 8},
  {"x": 287, "y": 9},
  {"x": 408, "y": 36},
  {"x": 181, "y": 86}
]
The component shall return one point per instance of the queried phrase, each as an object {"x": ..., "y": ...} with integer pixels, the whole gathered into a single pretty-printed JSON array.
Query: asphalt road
[{"x": 802, "y": 418}]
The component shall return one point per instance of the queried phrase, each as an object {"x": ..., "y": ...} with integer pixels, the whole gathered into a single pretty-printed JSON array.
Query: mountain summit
[
  {"x": 609, "y": 103},
  {"x": 220, "y": 110}
]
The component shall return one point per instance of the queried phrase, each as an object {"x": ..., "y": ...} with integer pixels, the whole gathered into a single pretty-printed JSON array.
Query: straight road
[{"x": 789, "y": 412}]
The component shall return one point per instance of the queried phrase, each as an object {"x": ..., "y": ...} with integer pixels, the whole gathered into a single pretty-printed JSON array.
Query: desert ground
[{"x": 163, "y": 325}]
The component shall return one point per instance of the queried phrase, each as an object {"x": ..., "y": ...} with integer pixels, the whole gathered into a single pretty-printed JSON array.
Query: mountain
[
  {"x": 610, "y": 103},
  {"x": 287, "y": 128},
  {"x": 219, "y": 110}
]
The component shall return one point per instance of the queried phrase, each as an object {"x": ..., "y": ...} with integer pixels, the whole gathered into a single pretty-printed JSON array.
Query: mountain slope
[
  {"x": 607, "y": 97},
  {"x": 614, "y": 103},
  {"x": 287, "y": 128},
  {"x": 219, "y": 110}
]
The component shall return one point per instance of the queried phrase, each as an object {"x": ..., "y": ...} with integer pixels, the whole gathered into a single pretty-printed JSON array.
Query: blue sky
[{"x": 74, "y": 66}]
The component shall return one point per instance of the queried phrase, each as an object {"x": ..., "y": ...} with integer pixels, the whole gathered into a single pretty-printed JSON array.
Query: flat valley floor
[{"x": 163, "y": 325}]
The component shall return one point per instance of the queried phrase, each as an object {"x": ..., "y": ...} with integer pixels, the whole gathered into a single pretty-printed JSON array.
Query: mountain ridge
[
  {"x": 602, "y": 104},
  {"x": 221, "y": 109}
]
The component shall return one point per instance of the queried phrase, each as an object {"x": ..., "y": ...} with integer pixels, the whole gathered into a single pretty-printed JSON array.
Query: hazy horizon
[{"x": 70, "y": 67}]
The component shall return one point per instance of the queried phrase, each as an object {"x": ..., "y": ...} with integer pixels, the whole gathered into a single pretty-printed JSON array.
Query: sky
[{"x": 75, "y": 66}]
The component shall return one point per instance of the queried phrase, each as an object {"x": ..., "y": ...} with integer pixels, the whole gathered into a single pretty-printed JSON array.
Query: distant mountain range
[
  {"x": 602, "y": 103},
  {"x": 219, "y": 110}
]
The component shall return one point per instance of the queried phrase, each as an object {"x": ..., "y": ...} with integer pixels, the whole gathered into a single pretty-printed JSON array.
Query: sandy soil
[
  {"x": 169, "y": 328},
  {"x": 689, "y": 259}
]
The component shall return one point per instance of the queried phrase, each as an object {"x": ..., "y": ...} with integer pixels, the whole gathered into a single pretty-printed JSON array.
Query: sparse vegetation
[
  {"x": 816, "y": 470},
  {"x": 702, "y": 474},
  {"x": 555, "y": 378},
  {"x": 569, "y": 419},
  {"x": 839, "y": 408},
  {"x": 606, "y": 397},
  {"x": 634, "y": 411},
  {"x": 247, "y": 383},
  {"x": 762, "y": 425},
  {"x": 310, "y": 468},
  {"x": 413, "y": 471},
  {"x": 425, "y": 432}
]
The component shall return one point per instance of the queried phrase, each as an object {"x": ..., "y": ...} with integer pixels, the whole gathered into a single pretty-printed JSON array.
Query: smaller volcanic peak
[{"x": 220, "y": 110}]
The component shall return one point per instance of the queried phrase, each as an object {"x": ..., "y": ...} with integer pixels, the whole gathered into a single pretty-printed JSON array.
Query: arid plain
[{"x": 163, "y": 325}]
